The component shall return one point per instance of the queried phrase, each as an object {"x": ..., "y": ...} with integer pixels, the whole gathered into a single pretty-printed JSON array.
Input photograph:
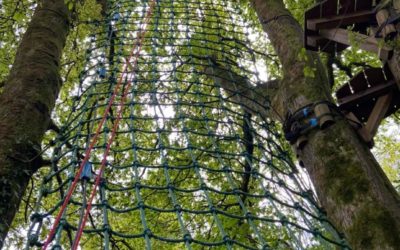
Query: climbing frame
[{"x": 156, "y": 151}]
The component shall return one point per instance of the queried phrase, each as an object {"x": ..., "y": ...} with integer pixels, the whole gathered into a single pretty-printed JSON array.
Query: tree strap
[{"x": 315, "y": 115}]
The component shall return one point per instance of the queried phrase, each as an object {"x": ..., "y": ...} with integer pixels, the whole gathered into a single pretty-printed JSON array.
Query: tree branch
[{"x": 253, "y": 98}]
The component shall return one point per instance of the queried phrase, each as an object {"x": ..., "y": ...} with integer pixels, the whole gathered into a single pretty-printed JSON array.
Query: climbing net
[{"x": 167, "y": 145}]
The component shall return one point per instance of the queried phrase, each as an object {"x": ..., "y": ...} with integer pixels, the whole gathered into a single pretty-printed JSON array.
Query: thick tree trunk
[
  {"x": 26, "y": 102},
  {"x": 350, "y": 184}
]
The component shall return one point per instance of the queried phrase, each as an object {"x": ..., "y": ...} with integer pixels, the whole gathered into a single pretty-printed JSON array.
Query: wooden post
[
  {"x": 394, "y": 65},
  {"x": 378, "y": 113},
  {"x": 396, "y": 5},
  {"x": 394, "y": 62},
  {"x": 388, "y": 30},
  {"x": 361, "y": 130}
]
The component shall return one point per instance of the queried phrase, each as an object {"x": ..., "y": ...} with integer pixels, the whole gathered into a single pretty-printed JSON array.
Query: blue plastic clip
[
  {"x": 102, "y": 72},
  {"x": 87, "y": 171},
  {"x": 313, "y": 122},
  {"x": 305, "y": 112}
]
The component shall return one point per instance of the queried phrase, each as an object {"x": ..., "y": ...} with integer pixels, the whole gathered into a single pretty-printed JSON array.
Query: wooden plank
[
  {"x": 344, "y": 91},
  {"x": 317, "y": 43},
  {"x": 394, "y": 65},
  {"x": 373, "y": 76},
  {"x": 364, "y": 5},
  {"x": 378, "y": 113},
  {"x": 364, "y": 110},
  {"x": 342, "y": 20},
  {"x": 389, "y": 30},
  {"x": 376, "y": 76},
  {"x": 362, "y": 131},
  {"x": 366, "y": 42},
  {"x": 313, "y": 12},
  {"x": 357, "y": 98},
  {"x": 329, "y": 8},
  {"x": 347, "y": 6}
]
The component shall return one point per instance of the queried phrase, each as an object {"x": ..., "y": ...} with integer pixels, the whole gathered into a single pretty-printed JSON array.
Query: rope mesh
[{"x": 194, "y": 164}]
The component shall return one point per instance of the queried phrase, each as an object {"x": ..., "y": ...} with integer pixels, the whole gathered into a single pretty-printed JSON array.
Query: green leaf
[
  {"x": 18, "y": 16},
  {"x": 70, "y": 5},
  {"x": 309, "y": 72}
]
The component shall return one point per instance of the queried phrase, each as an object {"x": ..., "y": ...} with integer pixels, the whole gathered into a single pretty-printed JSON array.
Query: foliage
[
  {"x": 14, "y": 16},
  {"x": 184, "y": 38}
]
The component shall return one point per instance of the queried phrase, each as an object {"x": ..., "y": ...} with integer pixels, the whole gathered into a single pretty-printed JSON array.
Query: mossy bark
[
  {"x": 351, "y": 187},
  {"x": 26, "y": 102}
]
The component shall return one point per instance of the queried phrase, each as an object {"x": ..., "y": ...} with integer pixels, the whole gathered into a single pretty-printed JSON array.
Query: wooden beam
[
  {"x": 389, "y": 29},
  {"x": 378, "y": 113},
  {"x": 361, "y": 130},
  {"x": 394, "y": 62},
  {"x": 319, "y": 43},
  {"x": 394, "y": 65},
  {"x": 366, "y": 94},
  {"x": 340, "y": 20},
  {"x": 368, "y": 43}
]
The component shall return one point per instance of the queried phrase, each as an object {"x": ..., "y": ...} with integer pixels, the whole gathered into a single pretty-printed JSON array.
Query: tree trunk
[
  {"x": 356, "y": 194},
  {"x": 351, "y": 187},
  {"x": 26, "y": 102}
]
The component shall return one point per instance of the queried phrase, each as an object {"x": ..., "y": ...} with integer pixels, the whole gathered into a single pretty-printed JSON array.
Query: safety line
[{"x": 135, "y": 56}]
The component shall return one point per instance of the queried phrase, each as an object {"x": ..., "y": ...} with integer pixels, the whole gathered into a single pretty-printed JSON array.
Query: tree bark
[
  {"x": 28, "y": 97},
  {"x": 356, "y": 194}
]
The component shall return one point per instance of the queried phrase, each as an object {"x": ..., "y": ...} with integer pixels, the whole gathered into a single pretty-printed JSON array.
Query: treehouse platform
[
  {"x": 368, "y": 98},
  {"x": 333, "y": 25},
  {"x": 362, "y": 94},
  {"x": 327, "y": 23}
]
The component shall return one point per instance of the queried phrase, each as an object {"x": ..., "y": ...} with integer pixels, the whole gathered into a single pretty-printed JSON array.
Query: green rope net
[{"x": 194, "y": 163}]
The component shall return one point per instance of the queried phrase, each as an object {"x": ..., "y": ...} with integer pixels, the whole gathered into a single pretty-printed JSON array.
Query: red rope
[{"x": 135, "y": 56}]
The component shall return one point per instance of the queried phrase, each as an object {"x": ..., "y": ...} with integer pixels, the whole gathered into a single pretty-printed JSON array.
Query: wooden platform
[
  {"x": 368, "y": 98},
  {"x": 374, "y": 93},
  {"x": 364, "y": 90},
  {"x": 326, "y": 26}
]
